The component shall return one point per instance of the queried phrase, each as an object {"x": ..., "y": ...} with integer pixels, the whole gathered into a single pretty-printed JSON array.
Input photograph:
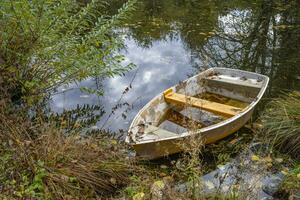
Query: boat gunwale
[{"x": 214, "y": 126}]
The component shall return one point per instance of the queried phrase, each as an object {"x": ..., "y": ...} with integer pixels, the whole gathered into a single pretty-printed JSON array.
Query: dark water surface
[{"x": 170, "y": 40}]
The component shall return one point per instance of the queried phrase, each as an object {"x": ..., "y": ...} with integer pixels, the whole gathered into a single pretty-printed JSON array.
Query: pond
[{"x": 170, "y": 40}]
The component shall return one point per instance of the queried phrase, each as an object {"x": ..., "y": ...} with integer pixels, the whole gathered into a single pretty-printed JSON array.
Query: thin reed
[{"x": 281, "y": 121}]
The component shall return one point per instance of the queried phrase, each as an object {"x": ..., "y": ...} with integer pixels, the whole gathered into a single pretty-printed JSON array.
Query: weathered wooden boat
[{"x": 214, "y": 103}]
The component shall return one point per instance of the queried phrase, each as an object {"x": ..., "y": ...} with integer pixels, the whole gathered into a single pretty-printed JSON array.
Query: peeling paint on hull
[{"x": 153, "y": 113}]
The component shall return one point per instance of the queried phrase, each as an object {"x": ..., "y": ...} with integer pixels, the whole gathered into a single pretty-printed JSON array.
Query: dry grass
[
  {"x": 38, "y": 160},
  {"x": 281, "y": 122}
]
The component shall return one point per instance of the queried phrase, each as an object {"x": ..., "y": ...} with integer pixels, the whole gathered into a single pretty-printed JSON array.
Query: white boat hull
[{"x": 153, "y": 112}]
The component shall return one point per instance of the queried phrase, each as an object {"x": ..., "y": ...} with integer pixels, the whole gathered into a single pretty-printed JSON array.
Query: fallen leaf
[
  {"x": 268, "y": 159},
  {"x": 159, "y": 184},
  {"x": 164, "y": 166},
  {"x": 255, "y": 158},
  {"x": 257, "y": 126},
  {"x": 138, "y": 196},
  {"x": 210, "y": 185},
  {"x": 279, "y": 160},
  {"x": 232, "y": 142},
  {"x": 284, "y": 172},
  {"x": 113, "y": 181},
  {"x": 162, "y": 174},
  {"x": 269, "y": 164}
]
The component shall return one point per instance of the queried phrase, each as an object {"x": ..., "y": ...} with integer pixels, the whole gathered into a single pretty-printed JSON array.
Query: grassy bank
[
  {"x": 281, "y": 130},
  {"x": 39, "y": 160},
  {"x": 281, "y": 121},
  {"x": 46, "y": 44},
  {"x": 43, "y": 45}
]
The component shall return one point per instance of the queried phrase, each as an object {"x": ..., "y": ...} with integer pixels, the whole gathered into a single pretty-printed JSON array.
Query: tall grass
[
  {"x": 38, "y": 160},
  {"x": 281, "y": 121}
]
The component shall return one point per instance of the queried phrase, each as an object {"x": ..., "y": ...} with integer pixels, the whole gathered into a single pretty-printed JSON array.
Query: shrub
[{"x": 46, "y": 43}]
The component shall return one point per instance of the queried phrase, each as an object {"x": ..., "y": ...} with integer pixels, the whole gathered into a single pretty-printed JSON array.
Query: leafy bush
[{"x": 46, "y": 43}]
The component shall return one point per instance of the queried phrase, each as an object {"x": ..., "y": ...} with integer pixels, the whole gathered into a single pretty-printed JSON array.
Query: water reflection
[
  {"x": 265, "y": 40},
  {"x": 158, "y": 68},
  {"x": 169, "y": 40}
]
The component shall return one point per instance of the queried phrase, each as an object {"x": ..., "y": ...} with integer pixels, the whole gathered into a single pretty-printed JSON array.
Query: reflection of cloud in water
[{"x": 159, "y": 67}]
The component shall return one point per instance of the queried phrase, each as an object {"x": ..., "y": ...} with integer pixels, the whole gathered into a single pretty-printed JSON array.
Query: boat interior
[{"x": 199, "y": 102}]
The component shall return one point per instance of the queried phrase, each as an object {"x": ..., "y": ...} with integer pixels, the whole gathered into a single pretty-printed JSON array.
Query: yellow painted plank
[{"x": 217, "y": 108}]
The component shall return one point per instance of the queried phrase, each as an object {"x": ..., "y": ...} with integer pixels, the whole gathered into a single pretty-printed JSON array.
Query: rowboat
[{"x": 212, "y": 104}]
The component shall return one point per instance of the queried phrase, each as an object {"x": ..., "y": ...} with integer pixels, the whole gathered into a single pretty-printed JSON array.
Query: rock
[
  {"x": 248, "y": 174},
  {"x": 272, "y": 183},
  {"x": 181, "y": 188}
]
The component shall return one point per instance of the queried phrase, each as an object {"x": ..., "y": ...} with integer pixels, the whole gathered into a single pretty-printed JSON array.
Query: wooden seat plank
[
  {"x": 239, "y": 83},
  {"x": 217, "y": 108}
]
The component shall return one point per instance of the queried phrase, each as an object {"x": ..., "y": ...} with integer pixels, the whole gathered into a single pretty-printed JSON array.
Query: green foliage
[
  {"x": 21, "y": 184},
  {"x": 137, "y": 185},
  {"x": 291, "y": 184},
  {"x": 46, "y": 43},
  {"x": 34, "y": 188}
]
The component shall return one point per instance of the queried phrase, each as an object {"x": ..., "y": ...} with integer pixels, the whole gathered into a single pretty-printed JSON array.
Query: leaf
[
  {"x": 159, "y": 184},
  {"x": 255, "y": 158},
  {"x": 114, "y": 142},
  {"x": 268, "y": 159},
  {"x": 210, "y": 185},
  {"x": 201, "y": 33},
  {"x": 163, "y": 166},
  {"x": 113, "y": 181},
  {"x": 284, "y": 172},
  {"x": 138, "y": 196}
]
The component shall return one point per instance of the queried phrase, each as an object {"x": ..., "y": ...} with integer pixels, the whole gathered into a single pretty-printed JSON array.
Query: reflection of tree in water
[
  {"x": 265, "y": 40},
  {"x": 260, "y": 36},
  {"x": 160, "y": 20},
  {"x": 287, "y": 57}
]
